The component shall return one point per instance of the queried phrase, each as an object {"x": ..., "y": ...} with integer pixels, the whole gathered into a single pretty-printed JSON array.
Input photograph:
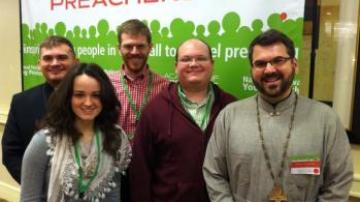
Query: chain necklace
[
  {"x": 277, "y": 191},
  {"x": 149, "y": 85}
]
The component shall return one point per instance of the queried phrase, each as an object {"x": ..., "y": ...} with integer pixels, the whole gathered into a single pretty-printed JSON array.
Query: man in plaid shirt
[{"x": 135, "y": 83}]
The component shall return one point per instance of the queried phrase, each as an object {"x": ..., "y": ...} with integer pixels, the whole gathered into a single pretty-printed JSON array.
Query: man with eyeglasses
[
  {"x": 135, "y": 83},
  {"x": 57, "y": 56},
  {"x": 174, "y": 129},
  {"x": 277, "y": 145}
]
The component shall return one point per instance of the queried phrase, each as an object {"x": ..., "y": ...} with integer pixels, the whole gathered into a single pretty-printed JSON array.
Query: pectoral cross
[{"x": 277, "y": 194}]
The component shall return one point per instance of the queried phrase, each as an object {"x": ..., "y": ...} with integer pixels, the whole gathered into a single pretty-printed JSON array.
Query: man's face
[
  {"x": 134, "y": 50},
  {"x": 55, "y": 62},
  {"x": 194, "y": 66},
  {"x": 273, "y": 71}
]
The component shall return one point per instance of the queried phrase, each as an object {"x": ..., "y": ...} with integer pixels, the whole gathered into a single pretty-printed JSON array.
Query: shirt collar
[
  {"x": 276, "y": 110},
  {"x": 189, "y": 103},
  {"x": 144, "y": 73}
]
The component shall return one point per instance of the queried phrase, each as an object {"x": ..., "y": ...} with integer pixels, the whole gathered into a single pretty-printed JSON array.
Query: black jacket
[{"x": 27, "y": 108}]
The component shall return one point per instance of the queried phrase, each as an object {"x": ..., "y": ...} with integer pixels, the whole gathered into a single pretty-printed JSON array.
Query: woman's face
[{"x": 85, "y": 100}]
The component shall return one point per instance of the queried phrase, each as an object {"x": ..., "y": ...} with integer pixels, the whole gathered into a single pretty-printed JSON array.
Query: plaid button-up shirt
[{"x": 137, "y": 88}]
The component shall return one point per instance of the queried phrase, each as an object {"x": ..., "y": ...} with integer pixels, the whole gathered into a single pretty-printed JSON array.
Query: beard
[
  {"x": 135, "y": 63},
  {"x": 274, "y": 91}
]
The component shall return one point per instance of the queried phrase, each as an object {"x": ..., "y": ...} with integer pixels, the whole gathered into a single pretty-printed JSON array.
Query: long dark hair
[{"x": 60, "y": 118}]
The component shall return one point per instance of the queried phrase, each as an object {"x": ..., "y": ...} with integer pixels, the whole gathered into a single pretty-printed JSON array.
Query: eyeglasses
[
  {"x": 196, "y": 59},
  {"x": 275, "y": 62}
]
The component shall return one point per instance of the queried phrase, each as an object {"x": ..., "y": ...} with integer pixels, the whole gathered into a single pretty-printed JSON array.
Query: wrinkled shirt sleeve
[
  {"x": 215, "y": 165},
  {"x": 339, "y": 168}
]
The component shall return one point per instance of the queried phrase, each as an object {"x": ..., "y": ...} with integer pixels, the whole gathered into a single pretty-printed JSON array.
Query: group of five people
[{"x": 131, "y": 135}]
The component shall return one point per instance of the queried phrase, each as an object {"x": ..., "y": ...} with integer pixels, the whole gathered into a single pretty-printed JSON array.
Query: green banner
[{"x": 96, "y": 41}]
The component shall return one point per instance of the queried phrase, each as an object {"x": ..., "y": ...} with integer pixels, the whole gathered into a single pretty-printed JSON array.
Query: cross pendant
[{"x": 277, "y": 194}]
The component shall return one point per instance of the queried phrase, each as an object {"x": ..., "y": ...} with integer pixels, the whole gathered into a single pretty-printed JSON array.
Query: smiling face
[
  {"x": 55, "y": 62},
  {"x": 85, "y": 100},
  {"x": 194, "y": 66},
  {"x": 273, "y": 80},
  {"x": 134, "y": 50}
]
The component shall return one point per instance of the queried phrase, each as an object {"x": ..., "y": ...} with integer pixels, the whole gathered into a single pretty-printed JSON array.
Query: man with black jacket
[{"x": 57, "y": 56}]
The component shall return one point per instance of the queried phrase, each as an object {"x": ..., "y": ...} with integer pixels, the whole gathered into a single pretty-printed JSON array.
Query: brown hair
[
  {"x": 60, "y": 118},
  {"x": 53, "y": 41},
  {"x": 270, "y": 37},
  {"x": 133, "y": 27}
]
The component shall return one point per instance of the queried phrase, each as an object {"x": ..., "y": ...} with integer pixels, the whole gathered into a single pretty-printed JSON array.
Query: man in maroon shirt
[{"x": 172, "y": 134}]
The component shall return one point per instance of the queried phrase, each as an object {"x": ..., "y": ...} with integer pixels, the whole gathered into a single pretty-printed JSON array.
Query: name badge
[{"x": 309, "y": 165}]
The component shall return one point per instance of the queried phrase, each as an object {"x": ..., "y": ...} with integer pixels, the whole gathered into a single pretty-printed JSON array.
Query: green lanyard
[
  {"x": 84, "y": 186},
  {"x": 207, "y": 114},
  {"x": 129, "y": 97}
]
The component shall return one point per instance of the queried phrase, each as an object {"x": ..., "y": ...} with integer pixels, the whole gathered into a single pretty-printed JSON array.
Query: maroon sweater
[{"x": 169, "y": 150}]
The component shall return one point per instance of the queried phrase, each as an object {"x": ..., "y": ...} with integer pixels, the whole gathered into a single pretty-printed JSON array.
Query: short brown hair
[
  {"x": 134, "y": 27},
  {"x": 53, "y": 41},
  {"x": 270, "y": 37}
]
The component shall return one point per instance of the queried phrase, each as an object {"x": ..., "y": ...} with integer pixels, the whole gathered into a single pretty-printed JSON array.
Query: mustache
[
  {"x": 138, "y": 56},
  {"x": 55, "y": 67},
  {"x": 273, "y": 75}
]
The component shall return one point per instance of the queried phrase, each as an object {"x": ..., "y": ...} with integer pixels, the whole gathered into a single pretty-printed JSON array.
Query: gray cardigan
[{"x": 35, "y": 173}]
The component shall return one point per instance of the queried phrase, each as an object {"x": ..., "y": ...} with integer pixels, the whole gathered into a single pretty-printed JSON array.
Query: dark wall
[{"x": 354, "y": 134}]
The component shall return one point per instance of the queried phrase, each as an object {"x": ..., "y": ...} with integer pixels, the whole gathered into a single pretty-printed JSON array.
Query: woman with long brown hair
[{"x": 80, "y": 152}]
